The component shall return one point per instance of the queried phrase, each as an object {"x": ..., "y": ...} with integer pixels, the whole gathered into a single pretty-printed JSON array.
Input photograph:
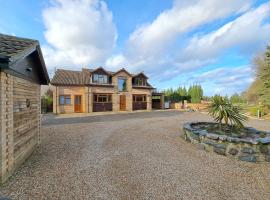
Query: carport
[{"x": 157, "y": 100}]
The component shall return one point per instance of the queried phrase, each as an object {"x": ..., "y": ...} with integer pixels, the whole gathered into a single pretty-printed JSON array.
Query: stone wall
[
  {"x": 70, "y": 90},
  {"x": 256, "y": 150},
  {"x": 19, "y": 122}
]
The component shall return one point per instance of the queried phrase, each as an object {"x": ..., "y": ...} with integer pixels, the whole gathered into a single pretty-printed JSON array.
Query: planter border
[{"x": 245, "y": 149}]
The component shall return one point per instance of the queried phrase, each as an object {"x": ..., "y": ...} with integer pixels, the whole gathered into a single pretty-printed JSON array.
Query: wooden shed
[{"x": 22, "y": 71}]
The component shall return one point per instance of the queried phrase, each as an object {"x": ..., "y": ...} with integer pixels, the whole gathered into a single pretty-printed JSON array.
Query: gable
[
  {"x": 122, "y": 72},
  {"x": 23, "y": 58},
  {"x": 100, "y": 70}
]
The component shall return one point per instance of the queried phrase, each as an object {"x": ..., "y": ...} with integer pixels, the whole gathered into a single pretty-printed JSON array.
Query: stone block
[
  {"x": 265, "y": 140},
  {"x": 210, "y": 142},
  {"x": 248, "y": 158},
  {"x": 220, "y": 151},
  {"x": 233, "y": 151},
  {"x": 248, "y": 150},
  {"x": 267, "y": 158},
  {"x": 195, "y": 136},
  {"x": 212, "y": 136}
]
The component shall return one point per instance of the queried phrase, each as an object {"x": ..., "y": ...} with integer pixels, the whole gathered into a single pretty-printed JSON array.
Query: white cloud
[
  {"x": 153, "y": 48},
  {"x": 225, "y": 80},
  {"x": 149, "y": 41},
  {"x": 246, "y": 32},
  {"x": 116, "y": 61},
  {"x": 79, "y": 32}
]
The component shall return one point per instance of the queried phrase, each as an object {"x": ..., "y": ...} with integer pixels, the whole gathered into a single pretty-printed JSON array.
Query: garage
[
  {"x": 139, "y": 102},
  {"x": 102, "y": 102},
  {"x": 157, "y": 100}
]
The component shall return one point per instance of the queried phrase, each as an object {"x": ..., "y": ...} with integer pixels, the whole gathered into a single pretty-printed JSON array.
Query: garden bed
[{"x": 246, "y": 144}]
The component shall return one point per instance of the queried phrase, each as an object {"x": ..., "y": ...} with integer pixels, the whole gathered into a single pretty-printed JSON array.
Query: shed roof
[{"x": 13, "y": 49}]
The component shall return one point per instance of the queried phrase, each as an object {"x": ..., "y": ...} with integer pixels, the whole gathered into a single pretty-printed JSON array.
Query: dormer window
[
  {"x": 100, "y": 79},
  {"x": 140, "y": 81}
]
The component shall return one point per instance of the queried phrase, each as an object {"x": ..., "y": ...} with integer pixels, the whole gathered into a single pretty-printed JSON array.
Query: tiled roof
[
  {"x": 68, "y": 77},
  {"x": 11, "y": 46}
]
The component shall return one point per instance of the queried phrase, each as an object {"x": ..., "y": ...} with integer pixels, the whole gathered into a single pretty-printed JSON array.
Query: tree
[
  {"x": 264, "y": 76},
  {"x": 236, "y": 98},
  {"x": 259, "y": 91},
  {"x": 221, "y": 109},
  {"x": 196, "y": 93}
]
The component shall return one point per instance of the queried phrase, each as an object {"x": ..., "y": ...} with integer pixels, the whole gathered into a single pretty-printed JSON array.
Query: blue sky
[{"x": 175, "y": 42}]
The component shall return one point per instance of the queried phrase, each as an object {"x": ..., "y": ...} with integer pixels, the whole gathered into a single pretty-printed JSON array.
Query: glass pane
[
  {"x": 62, "y": 100},
  {"x": 122, "y": 84},
  {"x": 95, "y": 78},
  {"x": 68, "y": 101},
  {"x": 95, "y": 98},
  {"x": 99, "y": 98},
  {"x": 105, "y": 79},
  {"x": 139, "y": 98}
]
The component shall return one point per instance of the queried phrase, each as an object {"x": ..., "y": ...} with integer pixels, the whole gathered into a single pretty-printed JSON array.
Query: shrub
[
  {"x": 254, "y": 111},
  {"x": 221, "y": 109}
]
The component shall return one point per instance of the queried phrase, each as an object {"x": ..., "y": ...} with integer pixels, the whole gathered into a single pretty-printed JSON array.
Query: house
[
  {"x": 99, "y": 90},
  {"x": 22, "y": 71}
]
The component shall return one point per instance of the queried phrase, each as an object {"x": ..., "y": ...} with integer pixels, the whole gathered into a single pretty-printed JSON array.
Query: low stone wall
[{"x": 250, "y": 150}]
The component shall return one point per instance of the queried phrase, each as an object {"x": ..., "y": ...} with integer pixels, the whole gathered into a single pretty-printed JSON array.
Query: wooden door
[
  {"x": 122, "y": 102},
  {"x": 77, "y": 103}
]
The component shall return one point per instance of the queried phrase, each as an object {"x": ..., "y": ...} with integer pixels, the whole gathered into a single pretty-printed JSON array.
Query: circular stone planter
[{"x": 249, "y": 149}]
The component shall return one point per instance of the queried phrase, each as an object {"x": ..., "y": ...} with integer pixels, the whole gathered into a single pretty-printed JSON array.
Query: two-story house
[{"x": 98, "y": 90}]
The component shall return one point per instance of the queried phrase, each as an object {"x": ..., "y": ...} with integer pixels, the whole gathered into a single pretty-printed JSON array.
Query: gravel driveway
[{"x": 132, "y": 156}]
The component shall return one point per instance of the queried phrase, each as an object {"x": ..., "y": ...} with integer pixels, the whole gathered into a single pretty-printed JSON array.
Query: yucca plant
[{"x": 221, "y": 109}]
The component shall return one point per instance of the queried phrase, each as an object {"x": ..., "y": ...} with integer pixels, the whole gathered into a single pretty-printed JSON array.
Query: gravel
[{"x": 132, "y": 156}]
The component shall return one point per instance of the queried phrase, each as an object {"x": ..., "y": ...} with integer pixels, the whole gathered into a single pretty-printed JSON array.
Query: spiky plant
[{"x": 221, "y": 109}]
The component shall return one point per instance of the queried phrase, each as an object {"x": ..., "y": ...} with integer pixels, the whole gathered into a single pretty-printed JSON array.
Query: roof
[
  {"x": 122, "y": 70},
  {"x": 68, "y": 77},
  {"x": 11, "y": 46},
  {"x": 13, "y": 49},
  {"x": 73, "y": 78}
]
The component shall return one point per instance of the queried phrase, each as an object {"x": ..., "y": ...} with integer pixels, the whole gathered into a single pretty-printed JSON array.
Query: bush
[
  {"x": 254, "y": 111},
  {"x": 222, "y": 109}
]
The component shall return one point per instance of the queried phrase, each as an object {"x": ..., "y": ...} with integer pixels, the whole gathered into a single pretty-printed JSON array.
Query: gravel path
[{"x": 132, "y": 156}]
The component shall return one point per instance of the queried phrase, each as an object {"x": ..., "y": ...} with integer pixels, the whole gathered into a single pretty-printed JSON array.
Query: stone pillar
[
  {"x": 149, "y": 102},
  {"x": 90, "y": 102},
  {"x": 162, "y": 101},
  {"x": 6, "y": 126}
]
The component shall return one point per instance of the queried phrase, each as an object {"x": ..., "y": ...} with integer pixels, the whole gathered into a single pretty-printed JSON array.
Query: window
[
  {"x": 139, "y": 98},
  {"x": 99, "y": 78},
  {"x": 122, "y": 84},
  {"x": 64, "y": 100},
  {"x": 102, "y": 98},
  {"x": 140, "y": 81}
]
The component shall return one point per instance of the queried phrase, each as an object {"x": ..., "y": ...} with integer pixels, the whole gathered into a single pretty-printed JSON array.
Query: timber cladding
[
  {"x": 20, "y": 121},
  {"x": 22, "y": 71}
]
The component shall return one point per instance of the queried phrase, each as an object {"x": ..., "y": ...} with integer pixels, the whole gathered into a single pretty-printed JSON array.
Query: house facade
[{"x": 99, "y": 90}]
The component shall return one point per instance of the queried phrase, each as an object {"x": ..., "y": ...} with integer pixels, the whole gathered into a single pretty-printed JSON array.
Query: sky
[{"x": 174, "y": 42}]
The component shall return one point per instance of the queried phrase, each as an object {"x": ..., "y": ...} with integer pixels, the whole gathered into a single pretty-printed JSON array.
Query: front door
[
  {"x": 122, "y": 102},
  {"x": 77, "y": 103}
]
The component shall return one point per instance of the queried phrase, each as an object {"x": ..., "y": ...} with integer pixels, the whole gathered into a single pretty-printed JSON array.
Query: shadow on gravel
[{"x": 52, "y": 120}]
